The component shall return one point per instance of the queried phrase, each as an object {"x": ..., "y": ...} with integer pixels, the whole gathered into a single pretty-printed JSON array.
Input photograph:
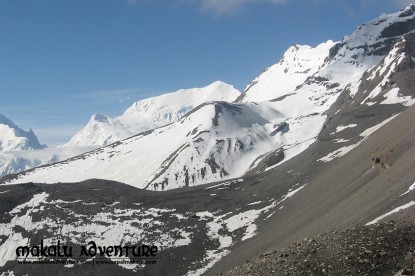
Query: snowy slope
[
  {"x": 149, "y": 114},
  {"x": 298, "y": 63}
]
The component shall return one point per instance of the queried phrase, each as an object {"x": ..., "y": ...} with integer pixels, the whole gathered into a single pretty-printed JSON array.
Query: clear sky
[{"x": 63, "y": 60}]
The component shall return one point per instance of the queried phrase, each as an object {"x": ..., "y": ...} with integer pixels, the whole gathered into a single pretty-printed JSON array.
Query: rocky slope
[
  {"x": 380, "y": 249},
  {"x": 348, "y": 190}
]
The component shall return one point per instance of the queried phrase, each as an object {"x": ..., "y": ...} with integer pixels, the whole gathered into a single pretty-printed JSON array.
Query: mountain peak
[
  {"x": 219, "y": 83},
  {"x": 298, "y": 63},
  {"x": 299, "y": 48}
]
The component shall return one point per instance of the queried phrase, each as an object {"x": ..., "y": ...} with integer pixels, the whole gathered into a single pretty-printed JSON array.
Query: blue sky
[{"x": 63, "y": 60}]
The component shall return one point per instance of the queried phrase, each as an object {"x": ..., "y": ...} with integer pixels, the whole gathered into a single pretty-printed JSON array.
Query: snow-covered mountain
[
  {"x": 219, "y": 140},
  {"x": 306, "y": 72},
  {"x": 150, "y": 113},
  {"x": 297, "y": 64},
  {"x": 12, "y": 140}
]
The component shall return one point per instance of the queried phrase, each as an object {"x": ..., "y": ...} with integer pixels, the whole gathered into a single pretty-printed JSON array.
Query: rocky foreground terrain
[{"x": 380, "y": 249}]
